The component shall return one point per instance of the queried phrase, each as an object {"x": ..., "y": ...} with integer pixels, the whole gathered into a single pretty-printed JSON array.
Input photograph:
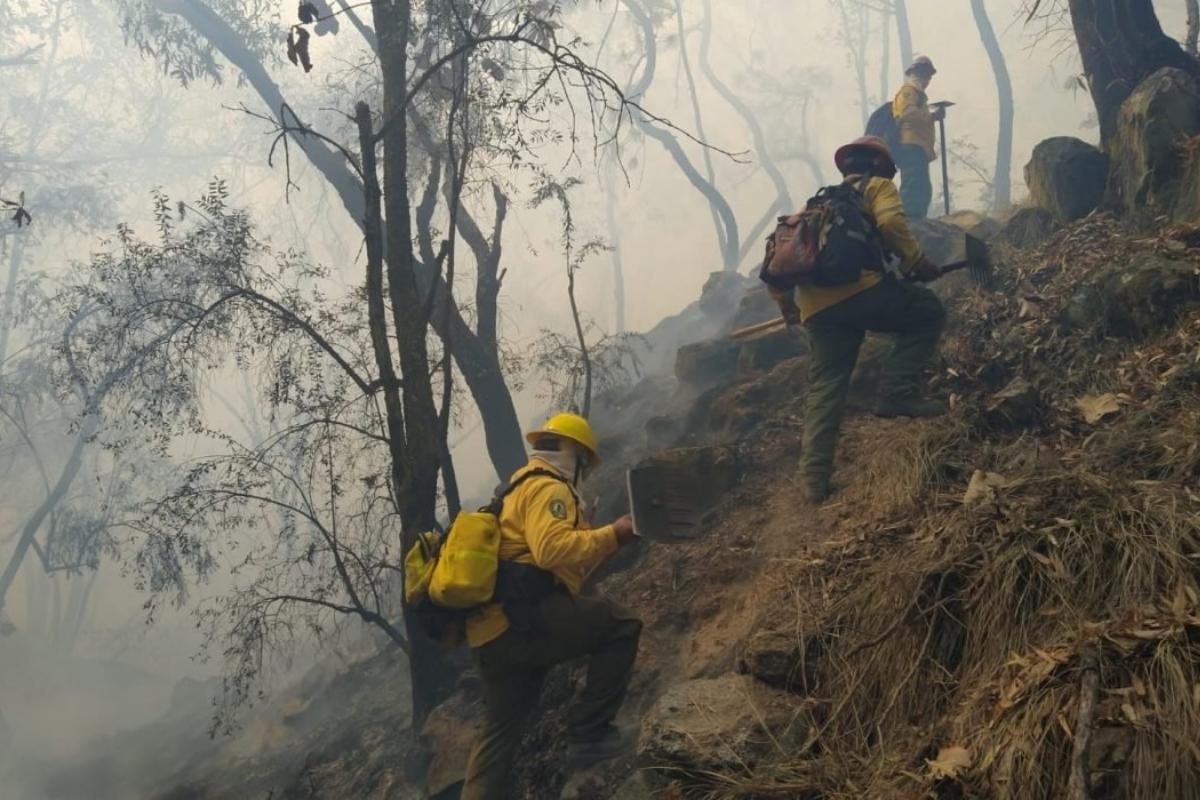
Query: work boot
[
  {"x": 614, "y": 742},
  {"x": 910, "y": 407},
  {"x": 816, "y": 489}
]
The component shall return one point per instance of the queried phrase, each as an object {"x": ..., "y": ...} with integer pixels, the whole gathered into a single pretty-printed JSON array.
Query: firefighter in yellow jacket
[
  {"x": 917, "y": 138},
  {"x": 838, "y": 317},
  {"x": 543, "y": 525}
]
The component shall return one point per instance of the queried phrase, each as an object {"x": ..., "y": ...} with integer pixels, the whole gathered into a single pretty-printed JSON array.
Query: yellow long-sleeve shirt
[
  {"x": 540, "y": 524},
  {"x": 882, "y": 200},
  {"x": 911, "y": 110}
]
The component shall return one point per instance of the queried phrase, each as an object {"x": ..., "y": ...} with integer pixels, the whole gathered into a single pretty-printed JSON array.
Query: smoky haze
[{"x": 103, "y": 114}]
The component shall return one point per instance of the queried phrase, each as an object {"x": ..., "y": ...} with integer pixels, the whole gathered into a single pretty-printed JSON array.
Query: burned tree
[{"x": 1121, "y": 43}]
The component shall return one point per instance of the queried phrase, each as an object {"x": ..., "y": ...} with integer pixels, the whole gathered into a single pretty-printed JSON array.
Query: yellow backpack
[{"x": 459, "y": 571}]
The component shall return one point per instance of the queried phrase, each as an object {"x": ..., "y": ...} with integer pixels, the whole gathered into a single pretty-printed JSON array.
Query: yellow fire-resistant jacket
[
  {"x": 541, "y": 524},
  {"x": 915, "y": 120},
  {"x": 883, "y": 202}
]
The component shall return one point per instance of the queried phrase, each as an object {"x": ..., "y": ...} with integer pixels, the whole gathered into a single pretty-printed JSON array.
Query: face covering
[
  {"x": 920, "y": 81},
  {"x": 567, "y": 462}
]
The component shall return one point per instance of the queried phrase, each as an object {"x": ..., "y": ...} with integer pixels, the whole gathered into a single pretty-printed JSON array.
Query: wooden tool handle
[{"x": 762, "y": 327}]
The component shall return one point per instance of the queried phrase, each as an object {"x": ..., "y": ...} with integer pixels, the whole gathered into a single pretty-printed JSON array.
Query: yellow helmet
[{"x": 569, "y": 426}]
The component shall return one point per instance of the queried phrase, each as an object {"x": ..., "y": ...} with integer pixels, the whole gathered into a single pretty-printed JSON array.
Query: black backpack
[
  {"x": 829, "y": 243},
  {"x": 881, "y": 123}
]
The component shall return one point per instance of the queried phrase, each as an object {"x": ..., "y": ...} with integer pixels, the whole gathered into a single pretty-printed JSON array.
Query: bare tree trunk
[
  {"x": 10, "y": 294},
  {"x": 586, "y": 408},
  {"x": 1002, "y": 182},
  {"x": 1122, "y": 43},
  {"x": 783, "y": 197},
  {"x": 729, "y": 253},
  {"x": 476, "y": 355},
  {"x": 614, "y": 241},
  {"x": 885, "y": 57},
  {"x": 34, "y": 522},
  {"x": 1193, "y": 27},
  {"x": 709, "y": 173},
  {"x": 903, "y": 31}
]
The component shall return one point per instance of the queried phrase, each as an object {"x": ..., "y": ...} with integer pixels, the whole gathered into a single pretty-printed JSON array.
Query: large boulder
[
  {"x": 1149, "y": 159},
  {"x": 1066, "y": 176},
  {"x": 715, "y": 725},
  {"x": 1134, "y": 300}
]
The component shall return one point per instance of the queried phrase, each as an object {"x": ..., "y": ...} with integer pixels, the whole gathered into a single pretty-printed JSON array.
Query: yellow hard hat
[{"x": 569, "y": 426}]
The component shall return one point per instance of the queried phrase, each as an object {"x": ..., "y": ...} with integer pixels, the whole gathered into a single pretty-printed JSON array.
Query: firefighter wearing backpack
[
  {"x": 543, "y": 524},
  {"x": 917, "y": 139},
  {"x": 840, "y": 302}
]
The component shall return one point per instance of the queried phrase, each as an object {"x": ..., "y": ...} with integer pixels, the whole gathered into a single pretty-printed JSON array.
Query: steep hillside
[{"x": 979, "y": 585}]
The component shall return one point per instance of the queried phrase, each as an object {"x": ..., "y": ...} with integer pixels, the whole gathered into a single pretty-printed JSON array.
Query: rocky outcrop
[
  {"x": 766, "y": 352},
  {"x": 1029, "y": 227},
  {"x": 978, "y": 225},
  {"x": 723, "y": 292},
  {"x": 1066, "y": 176},
  {"x": 718, "y": 724},
  {"x": 709, "y": 363},
  {"x": 941, "y": 241},
  {"x": 448, "y": 735},
  {"x": 1149, "y": 158},
  {"x": 1134, "y": 300}
]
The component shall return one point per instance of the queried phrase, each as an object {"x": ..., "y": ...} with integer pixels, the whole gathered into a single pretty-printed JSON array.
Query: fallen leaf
[
  {"x": 1096, "y": 407},
  {"x": 982, "y": 487},
  {"x": 950, "y": 762}
]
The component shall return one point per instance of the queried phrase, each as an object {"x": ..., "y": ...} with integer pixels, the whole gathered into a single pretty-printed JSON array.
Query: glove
[
  {"x": 926, "y": 271},
  {"x": 939, "y": 114},
  {"x": 791, "y": 315}
]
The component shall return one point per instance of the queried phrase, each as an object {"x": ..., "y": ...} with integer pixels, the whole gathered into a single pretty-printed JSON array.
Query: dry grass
[{"x": 936, "y": 623}]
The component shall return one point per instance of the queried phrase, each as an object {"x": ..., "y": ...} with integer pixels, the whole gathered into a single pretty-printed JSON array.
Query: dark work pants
[
  {"x": 514, "y": 666},
  {"x": 916, "y": 186},
  {"x": 910, "y": 311}
]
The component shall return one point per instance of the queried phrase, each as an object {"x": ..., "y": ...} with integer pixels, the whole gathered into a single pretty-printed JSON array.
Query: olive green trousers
[
  {"x": 514, "y": 666},
  {"x": 911, "y": 312}
]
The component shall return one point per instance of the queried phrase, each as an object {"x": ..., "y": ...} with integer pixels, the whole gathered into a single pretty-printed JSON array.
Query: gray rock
[
  {"x": 722, "y": 293},
  {"x": 1135, "y": 300},
  {"x": 719, "y": 724},
  {"x": 765, "y": 353},
  {"x": 709, "y": 363},
  {"x": 1029, "y": 227},
  {"x": 756, "y": 306},
  {"x": 780, "y": 660},
  {"x": 941, "y": 241},
  {"x": 1155, "y": 121},
  {"x": 1066, "y": 176}
]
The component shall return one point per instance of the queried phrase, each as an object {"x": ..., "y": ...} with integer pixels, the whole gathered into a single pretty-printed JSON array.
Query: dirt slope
[{"x": 931, "y": 632}]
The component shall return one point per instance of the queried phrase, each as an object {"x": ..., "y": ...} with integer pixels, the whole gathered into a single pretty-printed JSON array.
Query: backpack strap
[
  {"x": 504, "y": 491},
  {"x": 497, "y": 504}
]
